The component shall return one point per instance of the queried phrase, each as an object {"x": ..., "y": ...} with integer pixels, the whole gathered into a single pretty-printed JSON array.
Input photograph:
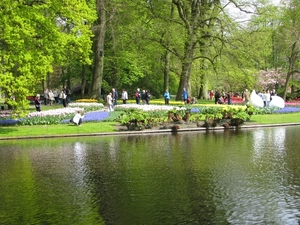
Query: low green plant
[
  {"x": 242, "y": 116},
  {"x": 44, "y": 120},
  {"x": 134, "y": 119}
]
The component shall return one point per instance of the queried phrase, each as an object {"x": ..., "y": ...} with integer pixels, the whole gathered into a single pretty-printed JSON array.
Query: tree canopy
[{"x": 36, "y": 35}]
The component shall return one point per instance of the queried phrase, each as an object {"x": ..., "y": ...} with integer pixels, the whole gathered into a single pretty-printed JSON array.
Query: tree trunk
[
  {"x": 292, "y": 62},
  {"x": 83, "y": 81},
  {"x": 167, "y": 70},
  {"x": 99, "y": 32},
  {"x": 184, "y": 80}
]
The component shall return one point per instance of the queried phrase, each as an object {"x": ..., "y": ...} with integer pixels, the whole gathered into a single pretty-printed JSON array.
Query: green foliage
[
  {"x": 35, "y": 35},
  {"x": 114, "y": 115},
  {"x": 244, "y": 116},
  {"x": 134, "y": 119}
]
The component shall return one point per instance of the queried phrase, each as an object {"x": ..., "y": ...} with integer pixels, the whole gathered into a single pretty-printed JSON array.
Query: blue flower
[
  {"x": 9, "y": 122},
  {"x": 91, "y": 116},
  {"x": 288, "y": 110}
]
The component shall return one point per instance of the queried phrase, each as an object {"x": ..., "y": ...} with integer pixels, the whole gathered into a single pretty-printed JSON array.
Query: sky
[{"x": 242, "y": 16}]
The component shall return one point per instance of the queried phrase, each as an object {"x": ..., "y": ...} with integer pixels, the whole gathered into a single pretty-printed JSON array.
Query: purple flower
[
  {"x": 92, "y": 116},
  {"x": 95, "y": 116},
  {"x": 288, "y": 110},
  {"x": 9, "y": 122},
  {"x": 195, "y": 110}
]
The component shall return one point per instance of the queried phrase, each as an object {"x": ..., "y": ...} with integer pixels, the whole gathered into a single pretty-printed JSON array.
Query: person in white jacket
[
  {"x": 267, "y": 98},
  {"x": 109, "y": 102},
  {"x": 77, "y": 119}
]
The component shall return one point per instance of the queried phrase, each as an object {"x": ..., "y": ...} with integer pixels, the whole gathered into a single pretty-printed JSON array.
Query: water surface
[{"x": 231, "y": 177}]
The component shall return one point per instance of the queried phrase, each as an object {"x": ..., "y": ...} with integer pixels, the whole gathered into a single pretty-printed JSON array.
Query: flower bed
[
  {"x": 92, "y": 112},
  {"x": 288, "y": 110},
  {"x": 91, "y": 117},
  {"x": 148, "y": 107},
  {"x": 87, "y": 100},
  {"x": 292, "y": 103},
  {"x": 54, "y": 116}
]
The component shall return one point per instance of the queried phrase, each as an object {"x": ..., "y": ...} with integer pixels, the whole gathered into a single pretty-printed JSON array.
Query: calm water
[{"x": 232, "y": 177}]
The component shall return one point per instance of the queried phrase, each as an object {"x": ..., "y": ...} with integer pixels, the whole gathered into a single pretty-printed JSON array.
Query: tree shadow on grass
[{"x": 7, "y": 130}]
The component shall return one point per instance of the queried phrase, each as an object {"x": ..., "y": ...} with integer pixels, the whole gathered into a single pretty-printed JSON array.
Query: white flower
[
  {"x": 150, "y": 107},
  {"x": 56, "y": 112},
  {"x": 85, "y": 104}
]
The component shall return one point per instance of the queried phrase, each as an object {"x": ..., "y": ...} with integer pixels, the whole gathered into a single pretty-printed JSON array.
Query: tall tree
[
  {"x": 289, "y": 41},
  {"x": 32, "y": 39},
  {"x": 98, "y": 48}
]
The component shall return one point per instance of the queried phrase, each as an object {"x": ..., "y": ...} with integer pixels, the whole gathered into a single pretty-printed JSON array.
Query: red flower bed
[{"x": 292, "y": 103}]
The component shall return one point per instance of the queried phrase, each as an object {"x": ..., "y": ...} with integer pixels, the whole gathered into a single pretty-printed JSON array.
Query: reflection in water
[
  {"x": 231, "y": 177},
  {"x": 265, "y": 140}
]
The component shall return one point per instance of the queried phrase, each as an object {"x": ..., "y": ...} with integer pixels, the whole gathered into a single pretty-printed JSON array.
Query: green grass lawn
[
  {"x": 276, "y": 118},
  {"x": 59, "y": 129}
]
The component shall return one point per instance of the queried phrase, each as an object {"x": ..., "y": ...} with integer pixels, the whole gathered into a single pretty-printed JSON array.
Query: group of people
[
  {"x": 112, "y": 97},
  {"x": 141, "y": 97},
  {"x": 144, "y": 96},
  {"x": 50, "y": 97},
  {"x": 185, "y": 97},
  {"x": 221, "y": 97},
  {"x": 266, "y": 96}
]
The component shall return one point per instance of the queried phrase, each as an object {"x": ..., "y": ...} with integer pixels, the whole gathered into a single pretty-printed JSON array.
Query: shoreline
[{"x": 151, "y": 131}]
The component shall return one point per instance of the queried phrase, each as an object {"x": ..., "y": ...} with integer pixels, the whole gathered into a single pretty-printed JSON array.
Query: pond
[{"x": 216, "y": 177}]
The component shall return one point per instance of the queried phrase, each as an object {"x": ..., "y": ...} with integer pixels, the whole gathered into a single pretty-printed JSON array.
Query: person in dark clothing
[
  {"x": 68, "y": 93},
  {"x": 115, "y": 97},
  {"x": 102, "y": 93},
  {"x": 228, "y": 98},
  {"x": 217, "y": 97},
  {"x": 37, "y": 103},
  {"x": 147, "y": 97},
  {"x": 137, "y": 96}
]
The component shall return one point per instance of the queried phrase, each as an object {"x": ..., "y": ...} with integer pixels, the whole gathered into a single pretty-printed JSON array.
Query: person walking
[
  {"x": 211, "y": 95},
  {"x": 147, "y": 97},
  {"x": 60, "y": 96},
  {"x": 64, "y": 98},
  {"x": 114, "y": 97},
  {"x": 138, "y": 96},
  {"x": 37, "y": 103},
  {"x": 124, "y": 96},
  {"x": 167, "y": 97},
  {"x": 228, "y": 98},
  {"x": 109, "y": 102},
  {"x": 217, "y": 97},
  {"x": 55, "y": 94},
  {"x": 144, "y": 97},
  {"x": 267, "y": 98},
  {"x": 50, "y": 97},
  {"x": 246, "y": 97},
  {"x": 46, "y": 97},
  {"x": 185, "y": 96},
  {"x": 102, "y": 93},
  {"x": 263, "y": 97},
  {"x": 68, "y": 95}
]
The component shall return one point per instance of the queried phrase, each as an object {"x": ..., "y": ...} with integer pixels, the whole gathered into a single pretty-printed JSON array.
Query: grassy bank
[
  {"x": 103, "y": 127},
  {"x": 276, "y": 118},
  {"x": 59, "y": 129}
]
